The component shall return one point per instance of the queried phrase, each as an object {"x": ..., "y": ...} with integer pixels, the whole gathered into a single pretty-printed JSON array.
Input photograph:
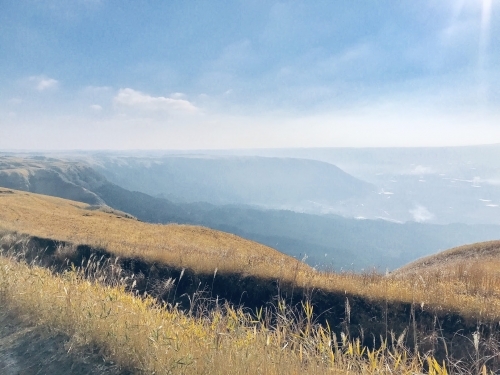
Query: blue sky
[{"x": 103, "y": 74}]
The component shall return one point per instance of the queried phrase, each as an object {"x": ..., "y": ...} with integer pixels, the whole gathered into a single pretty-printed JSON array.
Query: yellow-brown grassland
[{"x": 145, "y": 336}]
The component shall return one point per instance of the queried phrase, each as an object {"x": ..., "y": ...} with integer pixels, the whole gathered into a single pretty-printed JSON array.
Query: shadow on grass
[{"x": 446, "y": 336}]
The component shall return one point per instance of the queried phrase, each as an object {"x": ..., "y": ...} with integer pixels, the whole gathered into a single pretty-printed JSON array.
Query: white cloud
[
  {"x": 43, "y": 83},
  {"x": 132, "y": 98},
  {"x": 96, "y": 107},
  {"x": 421, "y": 214}
]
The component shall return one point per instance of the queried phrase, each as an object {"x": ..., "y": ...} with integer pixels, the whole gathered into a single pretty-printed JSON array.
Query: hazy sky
[{"x": 103, "y": 74}]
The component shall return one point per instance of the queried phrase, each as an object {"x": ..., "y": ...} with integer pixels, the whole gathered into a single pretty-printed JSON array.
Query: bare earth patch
[{"x": 27, "y": 349}]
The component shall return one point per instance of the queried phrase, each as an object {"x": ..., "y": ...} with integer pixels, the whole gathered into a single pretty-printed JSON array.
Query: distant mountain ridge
[
  {"x": 266, "y": 182},
  {"x": 328, "y": 241}
]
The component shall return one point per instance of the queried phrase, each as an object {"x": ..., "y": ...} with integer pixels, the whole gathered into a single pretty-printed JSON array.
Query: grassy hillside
[
  {"x": 203, "y": 251},
  {"x": 145, "y": 337},
  {"x": 196, "y": 248},
  {"x": 478, "y": 258},
  {"x": 139, "y": 336}
]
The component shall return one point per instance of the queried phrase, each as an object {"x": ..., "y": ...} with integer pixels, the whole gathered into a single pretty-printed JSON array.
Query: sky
[{"x": 123, "y": 74}]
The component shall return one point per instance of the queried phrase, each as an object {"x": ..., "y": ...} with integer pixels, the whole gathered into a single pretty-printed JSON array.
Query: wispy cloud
[
  {"x": 136, "y": 99},
  {"x": 42, "y": 83}
]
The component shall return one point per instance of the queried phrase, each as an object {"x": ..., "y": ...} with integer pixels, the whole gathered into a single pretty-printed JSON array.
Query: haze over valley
[
  {"x": 436, "y": 185},
  {"x": 307, "y": 208}
]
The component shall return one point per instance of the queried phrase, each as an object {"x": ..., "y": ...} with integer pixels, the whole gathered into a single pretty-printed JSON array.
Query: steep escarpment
[{"x": 53, "y": 177}]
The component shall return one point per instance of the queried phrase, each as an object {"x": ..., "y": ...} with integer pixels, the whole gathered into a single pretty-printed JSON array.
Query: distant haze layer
[{"x": 267, "y": 182}]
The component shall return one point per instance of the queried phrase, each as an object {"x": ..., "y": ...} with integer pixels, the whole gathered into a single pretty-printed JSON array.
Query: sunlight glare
[{"x": 485, "y": 22}]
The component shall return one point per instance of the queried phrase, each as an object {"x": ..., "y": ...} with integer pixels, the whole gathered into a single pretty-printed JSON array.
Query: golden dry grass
[
  {"x": 485, "y": 253},
  {"x": 196, "y": 248},
  {"x": 471, "y": 289},
  {"x": 144, "y": 337}
]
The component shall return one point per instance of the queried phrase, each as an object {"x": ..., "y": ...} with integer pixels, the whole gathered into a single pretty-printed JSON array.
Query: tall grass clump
[{"x": 146, "y": 337}]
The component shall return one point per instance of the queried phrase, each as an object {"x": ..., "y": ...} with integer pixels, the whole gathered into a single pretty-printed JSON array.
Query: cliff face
[{"x": 66, "y": 180}]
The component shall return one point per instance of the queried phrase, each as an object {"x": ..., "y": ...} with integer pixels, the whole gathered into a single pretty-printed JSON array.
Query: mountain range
[{"x": 325, "y": 241}]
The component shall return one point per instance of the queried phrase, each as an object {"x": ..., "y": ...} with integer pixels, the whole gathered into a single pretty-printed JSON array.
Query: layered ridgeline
[
  {"x": 279, "y": 183},
  {"x": 327, "y": 240}
]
